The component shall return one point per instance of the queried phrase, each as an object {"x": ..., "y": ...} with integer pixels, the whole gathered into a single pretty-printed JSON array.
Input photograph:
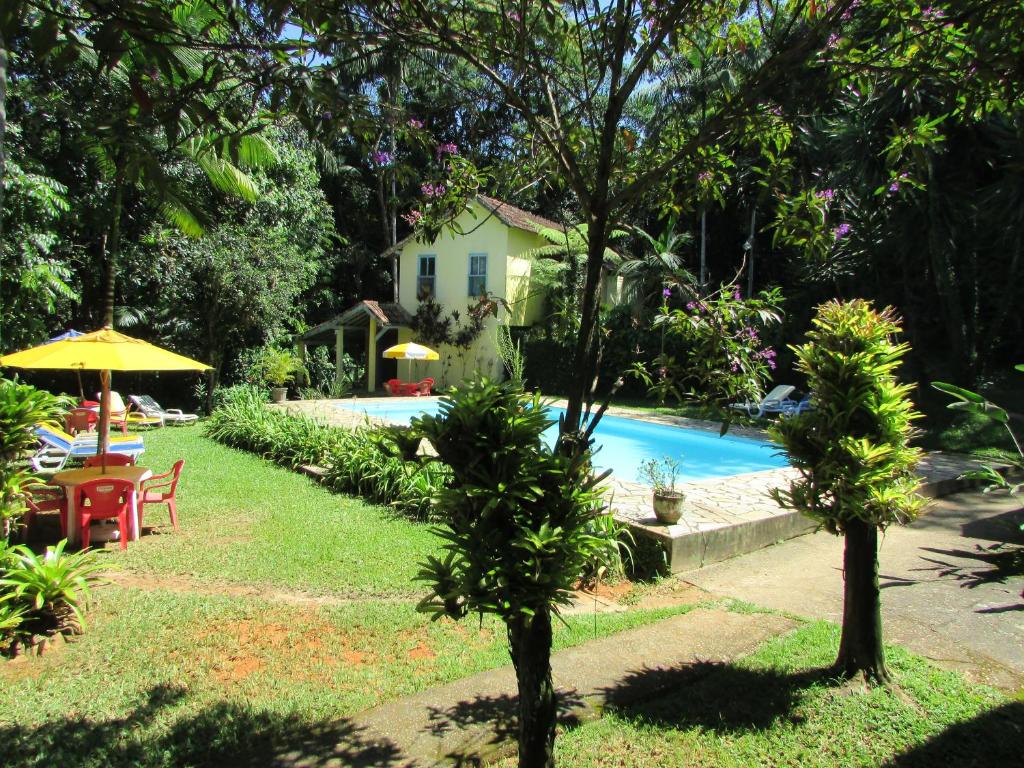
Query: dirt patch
[
  {"x": 422, "y": 652},
  {"x": 669, "y": 594},
  {"x": 614, "y": 592},
  {"x": 185, "y": 584}
]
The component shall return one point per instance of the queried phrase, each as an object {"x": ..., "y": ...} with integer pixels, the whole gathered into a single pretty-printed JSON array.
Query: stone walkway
[{"x": 723, "y": 517}]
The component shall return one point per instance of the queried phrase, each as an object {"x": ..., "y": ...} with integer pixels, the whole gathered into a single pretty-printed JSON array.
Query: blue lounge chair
[
  {"x": 774, "y": 402},
  {"x": 57, "y": 446}
]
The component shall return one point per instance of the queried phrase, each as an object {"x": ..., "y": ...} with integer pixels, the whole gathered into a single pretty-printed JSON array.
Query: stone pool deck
[{"x": 723, "y": 517}]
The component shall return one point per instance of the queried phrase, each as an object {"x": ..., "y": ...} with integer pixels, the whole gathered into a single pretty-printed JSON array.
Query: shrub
[
  {"x": 42, "y": 596},
  {"x": 365, "y": 461}
]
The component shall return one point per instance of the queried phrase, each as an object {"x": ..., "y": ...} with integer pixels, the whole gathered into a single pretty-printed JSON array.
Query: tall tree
[{"x": 855, "y": 461}]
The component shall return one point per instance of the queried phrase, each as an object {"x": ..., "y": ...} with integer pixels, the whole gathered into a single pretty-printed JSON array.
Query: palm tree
[{"x": 661, "y": 264}]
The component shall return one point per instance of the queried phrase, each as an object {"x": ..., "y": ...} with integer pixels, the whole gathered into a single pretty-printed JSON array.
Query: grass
[
  {"x": 278, "y": 612},
  {"x": 774, "y": 708},
  {"x": 248, "y": 521}
]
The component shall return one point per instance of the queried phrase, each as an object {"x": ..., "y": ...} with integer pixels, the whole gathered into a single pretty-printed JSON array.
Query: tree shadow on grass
[
  {"x": 994, "y": 738},
  {"x": 219, "y": 735},
  {"x": 477, "y": 730},
  {"x": 714, "y": 696}
]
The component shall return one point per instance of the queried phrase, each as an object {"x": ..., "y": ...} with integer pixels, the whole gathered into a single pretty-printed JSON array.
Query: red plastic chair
[
  {"x": 44, "y": 498},
  {"x": 103, "y": 499},
  {"x": 81, "y": 420},
  {"x": 424, "y": 387},
  {"x": 110, "y": 460},
  {"x": 149, "y": 494},
  {"x": 393, "y": 387}
]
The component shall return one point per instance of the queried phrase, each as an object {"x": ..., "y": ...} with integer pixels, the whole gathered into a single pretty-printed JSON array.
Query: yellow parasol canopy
[
  {"x": 411, "y": 351},
  {"x": 104, "y": 350}
]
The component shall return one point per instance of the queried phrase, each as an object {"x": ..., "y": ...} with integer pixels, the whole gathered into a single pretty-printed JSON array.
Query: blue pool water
[{"x": 624, "y": 443}]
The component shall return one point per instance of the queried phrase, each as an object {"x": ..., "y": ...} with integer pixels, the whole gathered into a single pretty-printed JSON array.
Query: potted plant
[
  {"x": 661, "y": 474},
  {"x": 279, "y": 367}
]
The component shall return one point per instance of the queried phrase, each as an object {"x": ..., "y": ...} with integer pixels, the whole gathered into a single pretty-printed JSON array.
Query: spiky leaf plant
[{"x": 854, "y": 457}]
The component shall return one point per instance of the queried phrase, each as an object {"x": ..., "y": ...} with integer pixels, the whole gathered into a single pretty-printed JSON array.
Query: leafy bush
[
  {"x": 21, "y": 407},
  {"x": 364, "y": 461},
  {"x": 43, "y": 595}
]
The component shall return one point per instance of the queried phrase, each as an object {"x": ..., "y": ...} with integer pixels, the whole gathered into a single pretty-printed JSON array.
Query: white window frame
[
  {"x": 477, "y": 275},
  {"x": 421, "y": 259}
]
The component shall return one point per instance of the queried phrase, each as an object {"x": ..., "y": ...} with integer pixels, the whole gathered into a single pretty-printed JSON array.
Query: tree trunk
[
  {"x": 750, "y": 253},
  {"x": 585, "y": 355},
  {"x": 113, "y": 249},
  {"x": 538, "y": 707},
  {"x": 860, "y": 648},
  {"x": 703, "y": 279}
]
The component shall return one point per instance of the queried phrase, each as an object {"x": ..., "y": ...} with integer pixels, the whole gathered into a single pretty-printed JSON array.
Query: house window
[
  {"x": 477, "y": 274},
  {"x": 426, "y": 277}
]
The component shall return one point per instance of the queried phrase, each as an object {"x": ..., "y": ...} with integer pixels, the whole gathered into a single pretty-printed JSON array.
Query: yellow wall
[{"x": 508, "y": 277}]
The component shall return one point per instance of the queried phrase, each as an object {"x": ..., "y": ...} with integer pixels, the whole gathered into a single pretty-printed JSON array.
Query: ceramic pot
[
  {"x": 278, "y": 394},
  {"x": 668, "y": 507}
]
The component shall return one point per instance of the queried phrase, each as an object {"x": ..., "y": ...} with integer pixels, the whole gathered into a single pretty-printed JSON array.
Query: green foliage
[
  {"x": 511, "y": 353},
  {"x": 979, "y": 406},
  {"x": 853, "y": 448},
  {"x": 361, "y": 461},
  {"x": 21, "y": 408},
  {"x": 660, "y": 474},
  {"x": 45, "y": 594},
  {"x": 727, "y": 360},
  {"x": 278, "y": 367},
  {"x": 517, "y": 517}
]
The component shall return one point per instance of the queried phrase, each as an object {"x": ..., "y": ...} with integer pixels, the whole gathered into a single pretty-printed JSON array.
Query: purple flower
[
  {"x": 932, "y": 13},
  {"x": 841, "y": 231},
  {"x": 735, "y": 367},
  {"x": 413, "y": 217},
  {"x": 446, "y": 149},
  {"x": 691, "y": 306},
  {"x": 381, "y": 159},
  {"x": 771, "y": 364},
  {"x": 894, "y": 187},
  {"x": 736, "y": 295},
  {"x": 427, "y": 189},
  {"x": 666, "y": 292},
  {"x": 825, "y": 194},
  {"x": 414, "y": 123},
  {"x": 833, "y": 40},
  {"x": 704, "y": 177}
]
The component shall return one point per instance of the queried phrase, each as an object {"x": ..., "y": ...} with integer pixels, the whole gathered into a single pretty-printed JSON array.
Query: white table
[{"x": 70, "y": 479}]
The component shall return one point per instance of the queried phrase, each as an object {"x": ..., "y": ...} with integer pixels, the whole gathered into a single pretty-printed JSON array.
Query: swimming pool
[{"x": 624, "y": 443}]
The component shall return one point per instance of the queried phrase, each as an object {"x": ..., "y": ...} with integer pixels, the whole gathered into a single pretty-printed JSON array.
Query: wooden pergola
[{"x": 372, "y": 318}]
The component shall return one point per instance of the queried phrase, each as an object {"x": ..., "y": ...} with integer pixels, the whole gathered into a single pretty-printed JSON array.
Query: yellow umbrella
[
  {"x": 105, "y": 350},
  {"x": 410, "y": 351}
]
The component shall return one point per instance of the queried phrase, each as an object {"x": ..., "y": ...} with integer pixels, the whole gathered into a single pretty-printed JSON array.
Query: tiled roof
[
  {"x": 511, "y": 216},
  {"x": 388, "y": 312}
]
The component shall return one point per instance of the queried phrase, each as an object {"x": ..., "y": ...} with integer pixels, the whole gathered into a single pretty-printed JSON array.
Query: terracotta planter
[
  {"x": 668, "y": 507},
  {"x": 279, "y": 394}
]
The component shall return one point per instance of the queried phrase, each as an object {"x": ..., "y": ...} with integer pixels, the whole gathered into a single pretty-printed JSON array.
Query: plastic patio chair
[
  {"x": 81, "y": 420},
  {"x": 109, "y": 460},
  {"x": 43, "y": 498},
  {"x": 150, "y": 495},
  {"x": 103, "y": 499},
  {"x": 393, "y": 387},
  {"x": 425, "y": 386}
]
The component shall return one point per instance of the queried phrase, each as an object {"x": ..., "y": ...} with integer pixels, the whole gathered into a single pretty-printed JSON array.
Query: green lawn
[
  {"x": 774, "y": 708},
  {"x": 278, "y": 611}
]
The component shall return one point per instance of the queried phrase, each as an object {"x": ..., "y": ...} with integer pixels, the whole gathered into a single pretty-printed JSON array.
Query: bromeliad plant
[
  {"x": 42, "y": 596},
  {"x": 519, "y": 533},
  {"x": 854, "y": 457}
]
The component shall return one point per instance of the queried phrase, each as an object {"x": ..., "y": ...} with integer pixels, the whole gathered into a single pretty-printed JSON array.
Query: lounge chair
[
  {"x": 57, "y": 446},
  {"x": 796, "y": 407},
  {"x": 770, "y": 403},
  {"x": 150, "y": 407}
]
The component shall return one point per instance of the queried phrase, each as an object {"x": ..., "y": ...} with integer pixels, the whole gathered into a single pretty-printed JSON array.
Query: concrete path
[
  {"x": 473, "y": 719},
  {"x": 945, "y": 590}
]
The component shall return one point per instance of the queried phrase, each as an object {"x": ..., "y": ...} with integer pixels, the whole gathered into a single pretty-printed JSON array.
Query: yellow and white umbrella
[
  {"x": 104, "y": 350},
  {"x": 410, "y": 350}
]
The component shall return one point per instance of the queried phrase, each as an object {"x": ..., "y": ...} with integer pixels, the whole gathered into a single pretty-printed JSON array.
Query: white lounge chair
[
  {"x": 151, "y": 407},
  {"x": 774, "y": 402},
  {"x": 57, "y": 446}
]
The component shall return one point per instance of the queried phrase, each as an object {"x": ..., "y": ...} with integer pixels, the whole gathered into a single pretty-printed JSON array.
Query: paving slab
[
  {"x": 950, "y": 588},
  {"x": 473, "y": 719}
]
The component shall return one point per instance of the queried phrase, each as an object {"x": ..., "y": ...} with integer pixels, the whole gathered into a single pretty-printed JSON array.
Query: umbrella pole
[
  {"x": 81, "y": 389},
  {"x": 103, "y": 443}
]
